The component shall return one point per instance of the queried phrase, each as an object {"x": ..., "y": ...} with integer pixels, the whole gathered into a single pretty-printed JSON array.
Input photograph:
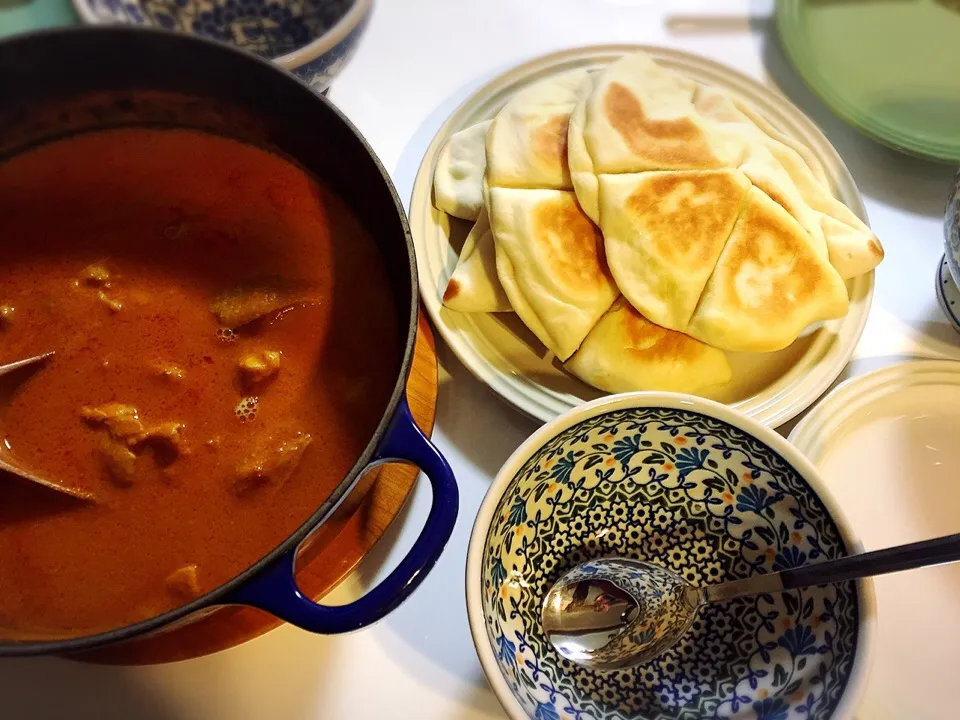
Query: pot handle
[{"x": 275, "y": 588}]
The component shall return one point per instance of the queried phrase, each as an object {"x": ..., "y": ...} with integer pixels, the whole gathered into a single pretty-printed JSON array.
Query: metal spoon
[
  {"x": 9, "y": 463},
  {"x": 613, "y": 613}
]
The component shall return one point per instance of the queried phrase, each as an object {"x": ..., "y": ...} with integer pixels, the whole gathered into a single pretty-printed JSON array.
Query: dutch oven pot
[{"x": 276, "y": 110}]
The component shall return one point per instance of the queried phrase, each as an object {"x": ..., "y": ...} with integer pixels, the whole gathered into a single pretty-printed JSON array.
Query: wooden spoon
[{"x": 9, "y": 463}]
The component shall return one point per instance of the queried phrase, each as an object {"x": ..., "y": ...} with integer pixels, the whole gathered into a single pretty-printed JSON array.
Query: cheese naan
[
  {"x": 786, "y": 176},
  {"x": 768, "y": 285},
  {"x": 550, "y": 257},
  {"x": 527, "y": 142},
  {"x": 459, "y": 173},
  {"x": 583, "y": 176},
  {"x": 642, "y": 117},
  {"x": 663, "y": 233},
  {"x": 474, "y": 285},
  {"x": 551, "y": 263},
  {"x": 625, "y": 352}
]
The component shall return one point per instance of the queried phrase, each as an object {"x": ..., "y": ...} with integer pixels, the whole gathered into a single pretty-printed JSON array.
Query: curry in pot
[{"x": 226, "y": 344}]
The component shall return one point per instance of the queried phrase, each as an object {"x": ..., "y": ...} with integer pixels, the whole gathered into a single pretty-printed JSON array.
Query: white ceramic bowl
[{"x": 697, "y": 487}]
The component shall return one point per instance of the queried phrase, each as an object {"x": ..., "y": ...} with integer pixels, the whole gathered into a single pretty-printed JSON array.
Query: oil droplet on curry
[{"x": 210, "y": 304}]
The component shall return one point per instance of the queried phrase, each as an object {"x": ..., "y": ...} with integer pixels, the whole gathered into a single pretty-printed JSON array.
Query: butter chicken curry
[{"x": 226, "y": 344}]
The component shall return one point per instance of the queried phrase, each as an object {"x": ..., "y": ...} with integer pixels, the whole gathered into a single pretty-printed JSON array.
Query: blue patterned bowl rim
[
  {"x": 951, "y": 232},
  {"x": 676, "y": 401},
  {"x": 292, "y": 60}
]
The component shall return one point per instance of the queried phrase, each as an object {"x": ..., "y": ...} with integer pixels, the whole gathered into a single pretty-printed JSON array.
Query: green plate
[
  {"x": 891, "y": 68},
  {"x": 17, "y": 16}
]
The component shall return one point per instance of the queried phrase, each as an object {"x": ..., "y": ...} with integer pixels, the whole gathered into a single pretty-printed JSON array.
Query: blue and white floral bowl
[
  {"x": 951, "y": 230},
  {"x": 948, "y": 273},
  {"x": 696, "y": 487},
  {"x": 313, "y": 39}
]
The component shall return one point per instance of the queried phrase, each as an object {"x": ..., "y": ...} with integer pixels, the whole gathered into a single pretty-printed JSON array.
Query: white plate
[
  {"x": 888, "y": 447},
  {"x": 501, "y": 352}
]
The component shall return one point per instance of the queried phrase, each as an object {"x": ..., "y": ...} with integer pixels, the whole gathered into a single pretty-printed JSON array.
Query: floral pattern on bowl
[
  {"x": 948, "y": 294},
  {"x": 706, "y": 499},
  {"x": 951, "y": 231},
  {"x": 280, "y": 30}
]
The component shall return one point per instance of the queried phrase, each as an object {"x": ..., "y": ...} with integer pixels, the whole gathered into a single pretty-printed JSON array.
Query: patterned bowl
[
  {"x": 693, "y": 486},
  {"x": 948, "y": 271},
  {"x": 951, "y": 231},
  {"x": 313, "y": 39}
]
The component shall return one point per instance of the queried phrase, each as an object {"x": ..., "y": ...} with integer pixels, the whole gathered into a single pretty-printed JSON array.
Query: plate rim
[
  {"x": 773, "y": 411},
  {"x": 856, "y": 394},
  {"x": 789, "y": 23},
  {"x": 853, "y": 398}
]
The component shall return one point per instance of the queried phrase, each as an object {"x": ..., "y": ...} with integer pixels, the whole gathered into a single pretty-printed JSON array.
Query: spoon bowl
[
  {"x": 617, "y": 612},
  {"x": 10, "y": 464}
]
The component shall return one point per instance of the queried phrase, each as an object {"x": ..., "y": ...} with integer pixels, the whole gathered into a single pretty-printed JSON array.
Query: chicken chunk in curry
[
  {"x": 120, "y": 420},
  {"x": 255, "y": 299},
  {"x": 258, "y": 367},
  {"x": 184, "y": 583},
  {"x": 271, "y": 464},
  {"x": 98, "y": 276},
  {"x": 95, "y": 275},
  {"x": 127, "y": 437},
  {"x": 119, "y": 461}
]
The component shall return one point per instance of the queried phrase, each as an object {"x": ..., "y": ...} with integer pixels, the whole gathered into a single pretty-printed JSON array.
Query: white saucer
[
  {"x": 948, "y": 294},
  {"x": 888, "y": 446}
]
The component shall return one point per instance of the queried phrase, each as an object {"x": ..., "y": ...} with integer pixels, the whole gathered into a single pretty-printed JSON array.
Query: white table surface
[{"x": 417, "y": 62}]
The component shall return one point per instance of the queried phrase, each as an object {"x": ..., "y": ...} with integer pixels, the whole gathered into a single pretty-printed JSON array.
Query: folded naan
[
  {"x": 583, "y": 176},
  {"x": 663, "y": 234},
  {"x": 769, "y": 284},
  {"x": 550, "y": 257},
  {"x": 527, "y": 142},
  {"x": 459, "y": 173},
  {"x": 642, "y": 117},
  {"x": 811, "y": 160},
  {"x": 551, "y": 263},
  {"x": 625, "y": 352},
  {"x": 474, "y": 285},
  {"x": 785, "y": 174}
]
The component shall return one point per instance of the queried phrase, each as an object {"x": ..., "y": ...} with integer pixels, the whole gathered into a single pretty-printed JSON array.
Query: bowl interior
[
  {"x": 705, "y": 499},
  {"x": 269, "y": 28}
]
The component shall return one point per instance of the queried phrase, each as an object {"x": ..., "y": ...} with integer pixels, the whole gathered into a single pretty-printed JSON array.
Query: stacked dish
[{"x": 659, "y": 224}]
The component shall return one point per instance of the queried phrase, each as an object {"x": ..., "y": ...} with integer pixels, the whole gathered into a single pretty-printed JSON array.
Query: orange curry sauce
[{"x": 114, "y": 245}]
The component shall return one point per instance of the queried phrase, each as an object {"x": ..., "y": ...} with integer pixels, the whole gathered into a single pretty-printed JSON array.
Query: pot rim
[{"x": 210, "y": 599}]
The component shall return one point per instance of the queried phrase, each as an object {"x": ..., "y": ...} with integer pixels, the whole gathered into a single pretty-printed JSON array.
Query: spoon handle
[{"x": 878, "y": 562}]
